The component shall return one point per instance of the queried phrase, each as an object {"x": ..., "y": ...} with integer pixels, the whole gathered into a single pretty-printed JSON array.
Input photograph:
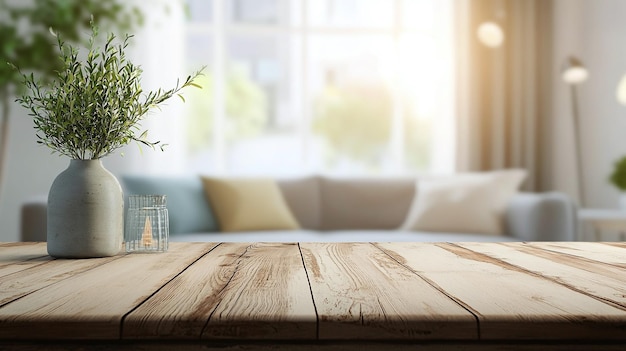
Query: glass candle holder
[{"x": 147, "y": 224}]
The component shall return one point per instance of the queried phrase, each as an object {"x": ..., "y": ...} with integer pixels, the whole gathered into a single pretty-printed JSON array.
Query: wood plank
[
  {"x": 25, "y": 248},
  {"x": 362, "y": 293},
  {"x": 17, "y": 243},
  {"x": 621, "y": 244},
  {"x": 15, "y": 257},
  {"x": 182, "y": 308},
  {"x": 48, "y": 272},
  {"x": 90, "y": 305},
  {"x": 596, "y": 279},
  {"x": 267, "y": 297},
  {"x": 509, "y": 302},
  {"x": 609, "y": 253}
]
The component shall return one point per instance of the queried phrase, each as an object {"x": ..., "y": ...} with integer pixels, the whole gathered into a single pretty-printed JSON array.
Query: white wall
[
  {"x": 595, "y": 32},
  {"x": 31, "y": 168}
]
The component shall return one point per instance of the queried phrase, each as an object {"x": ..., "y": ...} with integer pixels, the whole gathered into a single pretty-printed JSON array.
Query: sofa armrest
[
  {"x": 547, "y": 216},
  {"x": 33, "y": 220}
]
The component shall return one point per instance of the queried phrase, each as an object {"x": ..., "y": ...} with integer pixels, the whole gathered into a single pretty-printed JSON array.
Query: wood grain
[
  {"x": 362, "y": 293},
  {"x": 182, "y": 308},
  {"x": 601, "y": 252},
  {"x": 15, "y": 257},
  {"x": 43, "y": 273},
  {"x": 90, "y": 305},
  {"x": 267, "y": 297},
  {"x": 509, "y": 302},
  {"x": 601, "y": 281}
]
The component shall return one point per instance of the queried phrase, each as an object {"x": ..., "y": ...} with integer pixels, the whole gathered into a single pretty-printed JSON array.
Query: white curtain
[
  {"x": 504, "y": 92},
  {"x": 158, "y": 47}
]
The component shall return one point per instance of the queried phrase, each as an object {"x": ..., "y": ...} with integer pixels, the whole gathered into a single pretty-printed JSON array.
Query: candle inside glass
[
  {"x": 147, "y": 224},
  {"x": 146, "y": 236}
]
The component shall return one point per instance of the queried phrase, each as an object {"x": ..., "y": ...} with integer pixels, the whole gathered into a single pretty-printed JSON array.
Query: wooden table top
[{"x": 309, "y": 293}]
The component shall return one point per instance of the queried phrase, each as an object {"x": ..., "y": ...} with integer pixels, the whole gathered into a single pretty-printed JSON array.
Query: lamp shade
[
  {"x": 621, "y": 91},
  {"x": 574, "y": 72},
  {"x": 490, "y": 34}
]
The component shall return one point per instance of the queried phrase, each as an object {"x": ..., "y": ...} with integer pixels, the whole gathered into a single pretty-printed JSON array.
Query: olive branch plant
[{"x": 94, "y": 106}]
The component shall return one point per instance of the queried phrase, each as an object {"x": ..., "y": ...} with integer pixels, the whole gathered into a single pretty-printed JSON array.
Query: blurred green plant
[
  {"x": 618, "y": 176},
  {"x": 246, "y": 109},
  {"x": 355, "y": 120},
  {"x": 93, "y": 106},
  {"x": 27, "y": 43}
]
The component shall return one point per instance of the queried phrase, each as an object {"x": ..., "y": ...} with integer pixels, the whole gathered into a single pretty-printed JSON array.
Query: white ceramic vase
[{"x": 85, "y": 212}]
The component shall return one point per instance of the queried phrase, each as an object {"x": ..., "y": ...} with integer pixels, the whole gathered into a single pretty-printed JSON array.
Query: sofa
[{"x": 329, "y": 209}]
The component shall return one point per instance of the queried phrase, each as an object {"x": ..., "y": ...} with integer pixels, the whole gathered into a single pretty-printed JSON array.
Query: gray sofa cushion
[
  {"x": 365, "y": 203},
  {"x": 303, "y": 198},
  {"x": 188, "y": 209}
]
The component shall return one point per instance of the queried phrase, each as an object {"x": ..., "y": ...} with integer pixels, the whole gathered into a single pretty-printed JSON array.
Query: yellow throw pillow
[
  {"x": 464, "y": 203},
  {"x": 248, "y": 204}
]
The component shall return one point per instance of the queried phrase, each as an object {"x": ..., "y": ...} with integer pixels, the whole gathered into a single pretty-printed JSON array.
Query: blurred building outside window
[{"x": 343, "y": 87}]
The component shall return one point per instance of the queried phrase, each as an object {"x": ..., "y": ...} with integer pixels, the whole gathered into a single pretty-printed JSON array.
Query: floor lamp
[{"x": 574, "y": 73}]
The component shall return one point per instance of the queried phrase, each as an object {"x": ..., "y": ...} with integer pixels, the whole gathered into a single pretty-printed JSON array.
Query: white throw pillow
[{"x": 464, "y": 203}]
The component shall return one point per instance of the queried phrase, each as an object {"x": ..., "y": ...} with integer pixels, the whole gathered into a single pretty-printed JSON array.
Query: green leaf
[{"x": 90, "y": 108}]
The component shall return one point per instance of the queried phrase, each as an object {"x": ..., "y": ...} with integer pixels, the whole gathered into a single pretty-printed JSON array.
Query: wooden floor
[{"x": 335, "y": 296}]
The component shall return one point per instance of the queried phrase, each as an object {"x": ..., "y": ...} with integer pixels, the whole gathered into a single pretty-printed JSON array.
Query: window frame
[{"x": 219, "y": 28}]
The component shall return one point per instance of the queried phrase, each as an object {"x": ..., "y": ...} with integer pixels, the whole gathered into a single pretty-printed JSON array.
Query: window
[{"x": 351, "y": 87}]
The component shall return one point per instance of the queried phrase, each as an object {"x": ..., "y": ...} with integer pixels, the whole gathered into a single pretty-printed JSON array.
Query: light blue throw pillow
[{"x": 187, "y": 207}]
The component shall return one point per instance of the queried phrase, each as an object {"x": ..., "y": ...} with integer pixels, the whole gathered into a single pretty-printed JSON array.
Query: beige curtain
[{"x": 504, "y": 92}]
